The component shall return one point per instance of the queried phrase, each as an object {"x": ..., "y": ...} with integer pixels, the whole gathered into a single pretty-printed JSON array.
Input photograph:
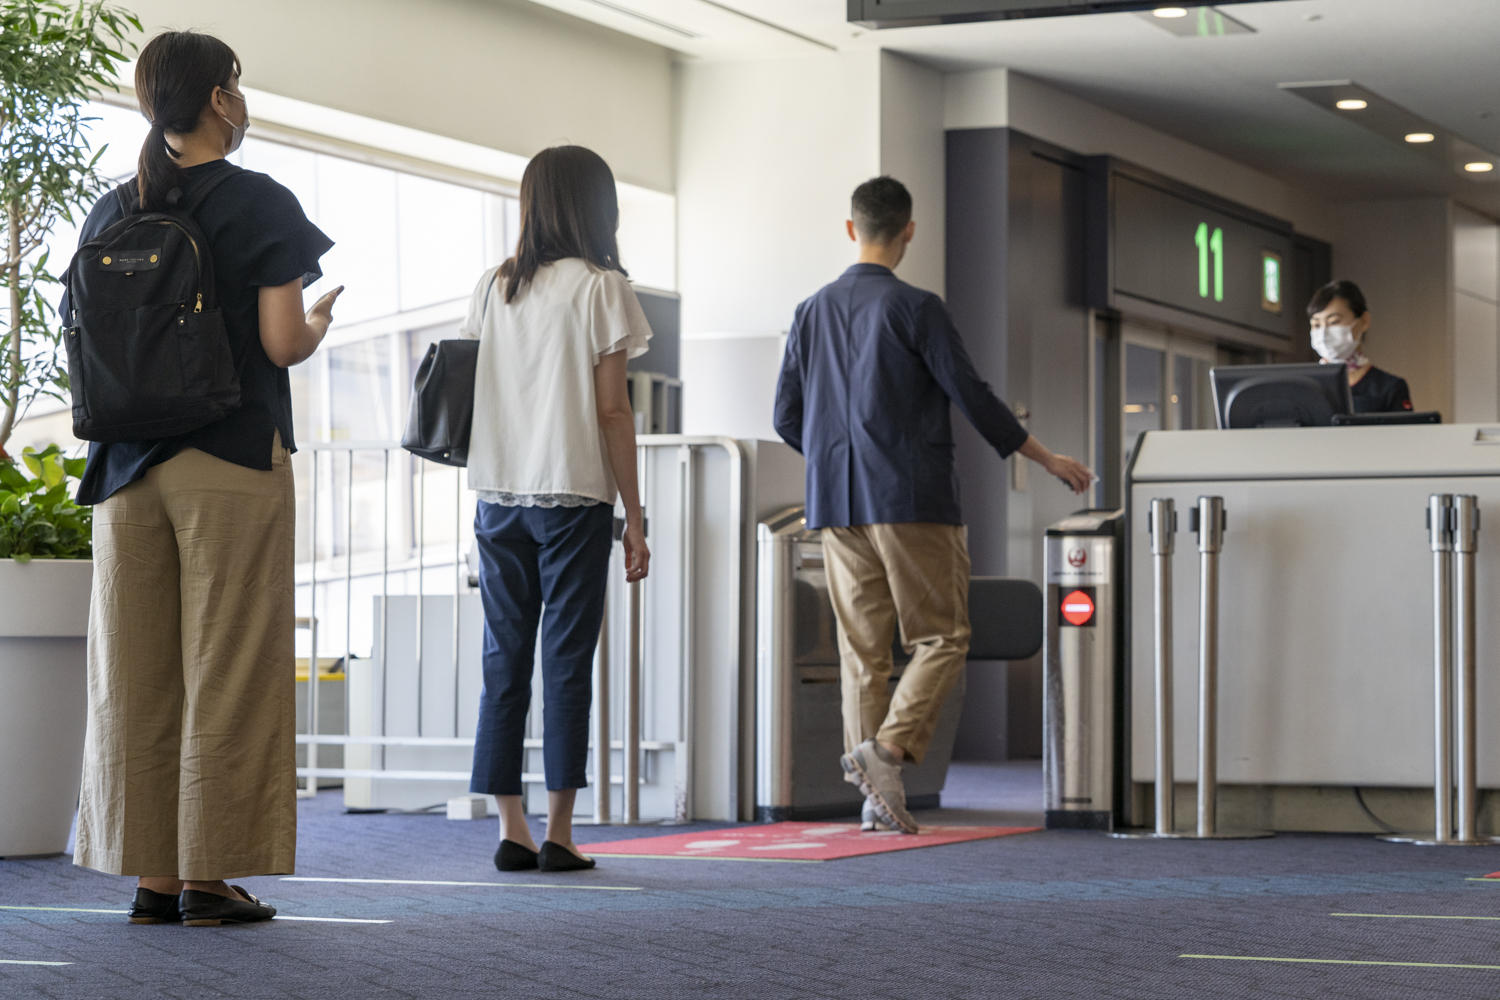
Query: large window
[{"x": 409, "y": 246}]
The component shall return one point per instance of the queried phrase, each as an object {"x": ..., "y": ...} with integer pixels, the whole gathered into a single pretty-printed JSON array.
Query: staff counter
[{"x": 1325, "y": 671}]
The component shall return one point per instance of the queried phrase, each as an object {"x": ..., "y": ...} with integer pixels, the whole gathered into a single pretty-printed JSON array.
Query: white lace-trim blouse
[
  {"x": 536, "y": 499},
  {"x": 536, "y": 440}
]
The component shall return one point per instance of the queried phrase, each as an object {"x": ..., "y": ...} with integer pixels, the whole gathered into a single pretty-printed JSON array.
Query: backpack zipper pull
[{"x": 199, "y": 307}]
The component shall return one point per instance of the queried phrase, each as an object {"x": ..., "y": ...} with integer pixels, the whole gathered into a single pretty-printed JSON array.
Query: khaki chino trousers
[
  {"x": 911, "y": 576},
  {"x": 189, "y": 763}
]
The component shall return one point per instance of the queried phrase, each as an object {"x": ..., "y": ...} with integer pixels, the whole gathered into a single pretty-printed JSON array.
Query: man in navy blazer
[{"x": 872, "y": 369}]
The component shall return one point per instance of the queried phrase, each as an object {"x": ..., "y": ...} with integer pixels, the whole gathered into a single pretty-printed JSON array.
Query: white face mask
[
  {"x": 1335, "y": 343},
  {"x": 237, "y": 136}
]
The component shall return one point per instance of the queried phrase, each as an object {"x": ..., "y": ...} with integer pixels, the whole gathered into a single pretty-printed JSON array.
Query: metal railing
[{"x": 323, "y": 459}]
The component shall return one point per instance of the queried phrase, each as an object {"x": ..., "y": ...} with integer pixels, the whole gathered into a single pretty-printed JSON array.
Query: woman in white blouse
[{"x": 553, "y": 442}]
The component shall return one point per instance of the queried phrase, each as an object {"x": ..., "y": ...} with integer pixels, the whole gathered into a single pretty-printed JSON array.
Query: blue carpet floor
[{"x": 1045, "y": 915}]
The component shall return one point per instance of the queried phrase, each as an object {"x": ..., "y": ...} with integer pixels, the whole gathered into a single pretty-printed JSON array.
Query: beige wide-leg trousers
[
  {"x": 189, "y": 763},
  {"x": 881, "y": 576}
]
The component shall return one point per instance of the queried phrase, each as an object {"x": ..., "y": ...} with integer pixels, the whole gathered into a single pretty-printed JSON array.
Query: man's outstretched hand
[{"x": 1073, "y": 473}]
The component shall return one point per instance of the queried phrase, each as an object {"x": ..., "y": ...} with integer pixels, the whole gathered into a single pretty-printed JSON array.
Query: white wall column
[
  {"x": 1400, "y": 253},
  {"x": 1476, "y": 317}
]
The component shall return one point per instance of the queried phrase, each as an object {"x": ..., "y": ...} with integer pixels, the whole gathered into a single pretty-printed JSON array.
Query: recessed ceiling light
[
  {"x": 1418, "y": 137},
  {"x": 1479, "y": 167},
  {"x": 1170, "y": 12},
  {"x": 1352, "y": 104}
]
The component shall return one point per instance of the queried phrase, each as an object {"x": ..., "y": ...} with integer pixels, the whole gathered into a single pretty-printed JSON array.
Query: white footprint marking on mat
[
  {"x": 787, "y": 847},
  {"x": 710, "y": 845}
]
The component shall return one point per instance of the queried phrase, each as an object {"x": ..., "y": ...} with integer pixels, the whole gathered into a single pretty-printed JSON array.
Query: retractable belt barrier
[
  {"x": 1453, "y": 534},
  {"x": 1208, "y": 522}
]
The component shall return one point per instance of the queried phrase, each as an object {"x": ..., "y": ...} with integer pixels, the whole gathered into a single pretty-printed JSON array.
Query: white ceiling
[{"x": 1439, "y": 59}]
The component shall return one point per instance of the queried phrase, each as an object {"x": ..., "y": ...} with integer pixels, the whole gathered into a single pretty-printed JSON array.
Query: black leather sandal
[
  {"x": 154, "y": 908},
  {"x": 555, "y": 857},
  {"x": 513, "y": 857},
  {"x": 208, "y": 909}
]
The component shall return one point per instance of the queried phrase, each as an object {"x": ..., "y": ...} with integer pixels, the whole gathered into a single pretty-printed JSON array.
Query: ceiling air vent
[{"x": 914, "y": 13}]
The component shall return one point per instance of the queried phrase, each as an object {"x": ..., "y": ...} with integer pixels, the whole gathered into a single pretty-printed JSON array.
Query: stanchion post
[
  {"x": 1440, "y": 538},
  {"x": 630, "y": 767},
  {"x": 1163, "y": 528},
  {"x": 1440, "y": 533},
  {"x": 1453, "y": 535},
  {"x": 1465, "y": 545},
  {"x": 601, "y": 722},
  {"x": 1208, "y": 522},
  {"x": 1161, "y": 525}
]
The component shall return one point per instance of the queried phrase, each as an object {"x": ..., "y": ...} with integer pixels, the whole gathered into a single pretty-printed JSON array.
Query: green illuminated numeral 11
[{"x": 1210, "y": 244}]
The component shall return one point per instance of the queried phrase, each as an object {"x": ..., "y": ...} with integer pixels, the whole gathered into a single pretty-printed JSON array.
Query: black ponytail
[{"x": 175, "y": 77}]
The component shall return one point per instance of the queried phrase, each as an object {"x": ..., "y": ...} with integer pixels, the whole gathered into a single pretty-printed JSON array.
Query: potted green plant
[{"x": 54, "y": 55}]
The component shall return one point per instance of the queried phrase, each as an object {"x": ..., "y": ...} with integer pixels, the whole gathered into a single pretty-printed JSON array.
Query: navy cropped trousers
[{"x": 542, "y": 566}]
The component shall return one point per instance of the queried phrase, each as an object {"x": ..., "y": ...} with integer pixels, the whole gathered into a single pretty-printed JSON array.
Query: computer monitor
[{"x": 1280, "y": 395}]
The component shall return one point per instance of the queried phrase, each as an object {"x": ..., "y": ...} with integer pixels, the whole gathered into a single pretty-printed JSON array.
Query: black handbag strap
[{"x": 484, "y": 307}]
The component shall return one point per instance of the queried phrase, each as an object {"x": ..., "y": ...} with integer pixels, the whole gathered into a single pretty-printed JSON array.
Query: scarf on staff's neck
[{"x": 1354, "y": 362}]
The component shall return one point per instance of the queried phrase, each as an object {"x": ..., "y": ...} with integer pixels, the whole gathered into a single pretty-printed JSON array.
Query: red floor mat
[{"x": 796, "y": 841}]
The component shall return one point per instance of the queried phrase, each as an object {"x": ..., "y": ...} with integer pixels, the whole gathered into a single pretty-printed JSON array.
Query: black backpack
[{"x": 148, "y": 353}]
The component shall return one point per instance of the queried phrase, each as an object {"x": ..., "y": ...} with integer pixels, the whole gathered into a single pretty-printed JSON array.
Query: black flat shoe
[
  {"x": 557, "y": 858},
  {"x": 513, "y": 857},
  {"x": 207, "y": 909},
  {"x": 154, "y": 908}
]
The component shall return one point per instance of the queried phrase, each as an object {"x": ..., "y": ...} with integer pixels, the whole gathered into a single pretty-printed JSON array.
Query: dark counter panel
[{"x": 1179, "y": 252}]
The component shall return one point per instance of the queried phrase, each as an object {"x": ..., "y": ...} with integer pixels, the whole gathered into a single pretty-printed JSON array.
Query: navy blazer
[{"x": 871, "y": 366}]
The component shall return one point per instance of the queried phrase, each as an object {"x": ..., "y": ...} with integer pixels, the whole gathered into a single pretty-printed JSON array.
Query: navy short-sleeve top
[
  {"x": 259, "y": 237},
  {"x": 1380, "y": 392}
]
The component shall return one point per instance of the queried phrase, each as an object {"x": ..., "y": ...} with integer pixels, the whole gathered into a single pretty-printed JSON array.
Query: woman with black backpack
[{"x": 189, "y": 768}]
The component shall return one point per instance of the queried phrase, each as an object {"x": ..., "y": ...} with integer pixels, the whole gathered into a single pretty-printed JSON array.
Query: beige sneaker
[
  {"x": 870, "y": 821},
  {"x": 879, "y": 777}
]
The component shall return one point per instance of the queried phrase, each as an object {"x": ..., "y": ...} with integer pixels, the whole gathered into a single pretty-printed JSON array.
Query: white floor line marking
[
  {"x": 16, "y": 961},
  {"x": 1339, "y": 961},
  {"x": 63, "y": 909},
  {"x": 333, "y": 920},
  {"x": 1411, "y": 916},
  {"x": 81, "y": 909},
  {"x": 487, "y": 885}
]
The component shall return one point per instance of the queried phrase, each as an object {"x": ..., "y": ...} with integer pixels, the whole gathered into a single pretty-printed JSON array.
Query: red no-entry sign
[{"x": 1077, "y": 608}]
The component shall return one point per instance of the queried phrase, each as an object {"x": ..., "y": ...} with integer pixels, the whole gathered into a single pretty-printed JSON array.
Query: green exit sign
[{"x": 1270, "y": 281}]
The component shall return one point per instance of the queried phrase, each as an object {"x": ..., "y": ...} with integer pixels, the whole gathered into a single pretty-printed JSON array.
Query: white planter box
[{"x": 44, "y": 617}]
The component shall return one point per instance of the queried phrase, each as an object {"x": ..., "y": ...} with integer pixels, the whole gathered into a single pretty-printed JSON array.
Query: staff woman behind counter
[{"x": 1340, "y": 319}]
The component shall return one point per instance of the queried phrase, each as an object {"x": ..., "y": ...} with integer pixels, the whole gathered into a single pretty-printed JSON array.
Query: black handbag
[
  {"x": 442, "y": 399},
  {"x": 442, "y": 403}
]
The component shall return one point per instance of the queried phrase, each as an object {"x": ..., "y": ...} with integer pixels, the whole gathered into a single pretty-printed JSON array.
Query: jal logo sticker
[
  {"x": 1077, "y": 607},
  {"x": 1078, "y": 558}
]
